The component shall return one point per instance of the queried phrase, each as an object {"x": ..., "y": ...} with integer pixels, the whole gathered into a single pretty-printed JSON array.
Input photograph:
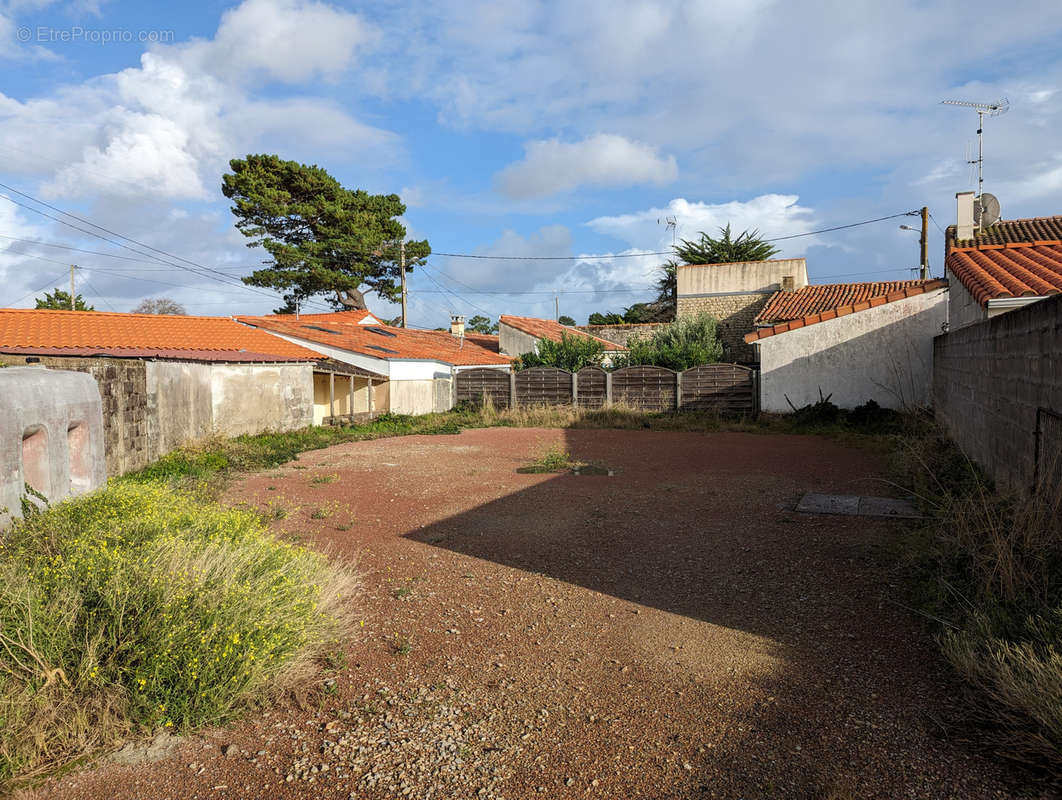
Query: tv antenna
[
  {"x": 672, "y": 225},
  {"x": 992, "y": 110}
]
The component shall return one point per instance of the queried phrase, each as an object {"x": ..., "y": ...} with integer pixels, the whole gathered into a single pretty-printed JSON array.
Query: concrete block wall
[
  {"x": 51, "y": 436},
  {"x": 124, "y": 393},
  {"x": 736, "y": 314},
  {"x": 990, "y": 379}
]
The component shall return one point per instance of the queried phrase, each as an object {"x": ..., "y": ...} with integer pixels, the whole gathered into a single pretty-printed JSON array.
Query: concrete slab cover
[
  {"x": 51, "y": 435},
  {"x": 856, "y": 506}
]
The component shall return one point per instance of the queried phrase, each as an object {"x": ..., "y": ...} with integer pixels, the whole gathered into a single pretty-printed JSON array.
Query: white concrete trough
[{"x": 51, "y": 436}]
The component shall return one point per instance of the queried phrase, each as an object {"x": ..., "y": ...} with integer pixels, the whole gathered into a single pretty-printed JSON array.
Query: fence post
[
  {"x": 575, "y": 389},
  {"x": 512, "y": 389},
  {"x": 608, "y": 389},
  {"x": 678, "y": 391}
]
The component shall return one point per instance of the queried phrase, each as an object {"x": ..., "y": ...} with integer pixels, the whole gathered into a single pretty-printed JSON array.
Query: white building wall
[
  {"x": 252, "y": 398},
  {"x": 963, "y": 310},
  {"x": 741, "y": 277},
  {"x": 513, "y": 342},
  {"x": 884, "y": 354}
]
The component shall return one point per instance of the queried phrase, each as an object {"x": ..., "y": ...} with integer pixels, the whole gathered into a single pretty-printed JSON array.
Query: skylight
[
  {"x": 381, "y": 332},
  {"x": 319, "y": 328}
]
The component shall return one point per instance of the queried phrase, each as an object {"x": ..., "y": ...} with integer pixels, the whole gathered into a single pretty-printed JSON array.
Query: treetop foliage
[{"x": 324, "y": 239}]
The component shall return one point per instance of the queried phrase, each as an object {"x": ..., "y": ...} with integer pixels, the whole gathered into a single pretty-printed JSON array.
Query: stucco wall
[
  {"x": 990, "y": 379},
  {"x": 512, "y": 342},
  {"x": 51, "y": 436},
  {"x": 742, "y": 277},
  {"x": 883, "y": 354},
  {"x": 963, "y": 310},
  {"x": 412, "y": 397},
  {"x": 179, "y": 404},
  {"x": 251, "y": 398}
]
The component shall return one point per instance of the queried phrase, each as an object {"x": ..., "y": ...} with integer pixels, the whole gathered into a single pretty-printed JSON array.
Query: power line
[
  {"x": 196, "y": 268},
  {"x": 51, "y": 282}
]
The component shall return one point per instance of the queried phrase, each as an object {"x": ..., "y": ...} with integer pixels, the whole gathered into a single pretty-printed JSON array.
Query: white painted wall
[
  {"x": 251, "y": 398},
  {"x": 513, "y": 342},
  {"x": 883, "y": 353},
  {"x": 963, "y": 310},
  {"x": 741, "y": 277}
]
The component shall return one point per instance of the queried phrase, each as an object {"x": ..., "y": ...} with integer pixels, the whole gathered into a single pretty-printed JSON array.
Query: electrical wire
[{"x": 51, "y": 282}]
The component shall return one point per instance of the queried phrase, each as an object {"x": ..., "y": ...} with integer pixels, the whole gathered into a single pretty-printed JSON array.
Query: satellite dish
[{"x": 986, "y": 210}]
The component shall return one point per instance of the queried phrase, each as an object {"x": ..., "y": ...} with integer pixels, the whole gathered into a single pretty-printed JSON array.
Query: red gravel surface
[{"x": 671, "y": 631}]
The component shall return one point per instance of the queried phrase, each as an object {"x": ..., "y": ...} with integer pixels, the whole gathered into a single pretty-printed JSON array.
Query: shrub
[
  {"x": 571, "y": 353},
  {"x": 139, "y": 607},
  {"x": 683, "y": 344}
]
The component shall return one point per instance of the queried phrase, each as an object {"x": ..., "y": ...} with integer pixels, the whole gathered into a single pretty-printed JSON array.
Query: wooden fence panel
[
  {"x": 722, "y": 388},
  {"x": 539, "y": 386},
  {"x": 592, "y": 387},
  {"x": 645, "y": 388},
  {"x": 478, "y": 385}
]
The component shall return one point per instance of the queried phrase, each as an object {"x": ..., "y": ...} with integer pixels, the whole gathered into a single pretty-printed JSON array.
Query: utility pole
[
  {"x": 402, "y": 263},
  {"x": 72, "y": 268},
  {"x": 556, "y": 308},
  {"x": 924, "y": 242}
]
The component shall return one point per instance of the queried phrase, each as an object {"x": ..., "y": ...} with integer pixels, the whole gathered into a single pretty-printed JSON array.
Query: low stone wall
[
  {"x": 621, "y": 334},
  {"x": 997, "y": 389}
]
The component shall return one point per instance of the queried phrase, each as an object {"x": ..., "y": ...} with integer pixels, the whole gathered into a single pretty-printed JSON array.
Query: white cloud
[
  {"x": 551, "y": 166},
  {"x": 290, "y": 41},
  {"x": 169, "y": 126},
  {"x": 773, "y": 215}
]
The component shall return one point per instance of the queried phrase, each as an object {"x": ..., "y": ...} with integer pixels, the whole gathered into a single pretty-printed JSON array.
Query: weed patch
[{"x": 140, "y": 607}]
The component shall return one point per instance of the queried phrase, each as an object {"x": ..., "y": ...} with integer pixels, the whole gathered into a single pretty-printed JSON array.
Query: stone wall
[
  {"x": 736, "y": 314},
  {"x": 124, "y": 392},
  {"x": 997, "y": 390},
  {"x": 621, "y": 334}
]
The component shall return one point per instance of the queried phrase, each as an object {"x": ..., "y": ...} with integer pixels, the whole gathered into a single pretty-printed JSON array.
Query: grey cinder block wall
[{"x": 997, "y": 390}]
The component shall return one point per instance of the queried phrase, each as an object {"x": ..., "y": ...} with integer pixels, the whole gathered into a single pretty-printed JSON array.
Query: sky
[{"x": 567, "y": 132}]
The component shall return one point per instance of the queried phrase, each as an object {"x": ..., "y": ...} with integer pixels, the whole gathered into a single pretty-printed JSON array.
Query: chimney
[
  {"x": 964, "y": 217},
  {"x": 788, "y": 283},
  {"x": 457, "y": 326}
]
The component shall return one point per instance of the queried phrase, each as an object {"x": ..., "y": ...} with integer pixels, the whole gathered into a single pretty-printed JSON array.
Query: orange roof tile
[
  {"x": 786, "y": 306},
  {"x": 995, "y": 271},
  {"x": 548, "y": 329},
  {"x": 46, "y": 332},
  {"x": 840, "y": 311},
  {"x": 1010, "y": 231},
  {"x": 383, "y": 341}
]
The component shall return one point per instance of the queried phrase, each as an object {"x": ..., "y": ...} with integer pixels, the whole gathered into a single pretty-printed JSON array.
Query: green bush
[
  {"x": 571, "y": 353},
  {"x": 683, "y": 344},
  {"x": 139, "y": 607}
]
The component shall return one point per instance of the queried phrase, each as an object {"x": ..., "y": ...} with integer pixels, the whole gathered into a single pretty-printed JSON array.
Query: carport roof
[
  {"x": 923, "y": 287},
  {"x": 101, "y": 333}
]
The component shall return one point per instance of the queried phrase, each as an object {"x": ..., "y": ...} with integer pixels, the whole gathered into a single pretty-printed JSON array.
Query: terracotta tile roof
[
  {"x": 786, "y": 306},
  {"x": 1034, "y": 229},
  {"x": 383, "y": 341},
  {"x": 548, "y": 329},
  {"x": 840, "y": 311},
  {"x": 993, "y": 272},
  {"x": 84, "y": 333}
]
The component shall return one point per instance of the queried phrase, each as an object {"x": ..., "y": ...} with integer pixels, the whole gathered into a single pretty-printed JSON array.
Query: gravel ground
[{"x": 671, "y": 631}]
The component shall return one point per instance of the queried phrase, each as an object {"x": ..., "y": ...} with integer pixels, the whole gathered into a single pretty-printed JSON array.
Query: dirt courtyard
[{"x": 673, "y": 630}]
